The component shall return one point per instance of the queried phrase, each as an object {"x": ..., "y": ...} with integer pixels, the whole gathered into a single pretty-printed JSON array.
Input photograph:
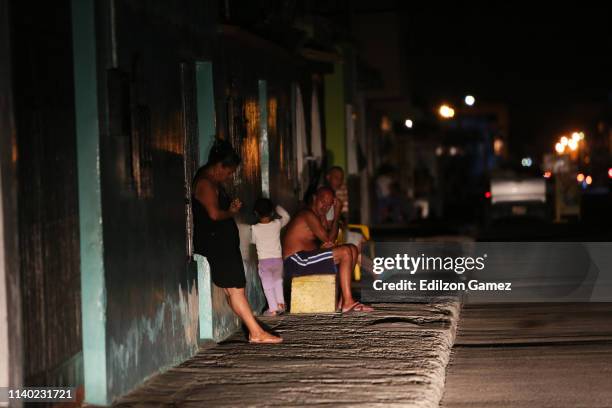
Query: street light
[
  {"x": 446, "y": 111},
  {"x": 564, "y": 141},
  {"x": 470, "y": 100},
  {"x": 409, "y": 123},
  {"x": 572, "y": 144}
]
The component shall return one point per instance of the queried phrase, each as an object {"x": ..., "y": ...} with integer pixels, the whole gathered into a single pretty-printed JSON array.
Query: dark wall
[
  {"x": 8, "y": 173},
  {"x": 283, "y": 169},
  {"x": 240, "y": 62},
  {"x": 150, "y": 282},
  {"x": 47, "y": 194}
]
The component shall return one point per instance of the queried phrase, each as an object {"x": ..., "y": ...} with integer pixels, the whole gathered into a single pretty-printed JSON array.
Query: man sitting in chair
[{"x": 308, "y": 247}]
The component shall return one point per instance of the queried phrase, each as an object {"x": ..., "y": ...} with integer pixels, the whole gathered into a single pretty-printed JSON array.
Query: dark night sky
[{"x": 547, "y": 65}]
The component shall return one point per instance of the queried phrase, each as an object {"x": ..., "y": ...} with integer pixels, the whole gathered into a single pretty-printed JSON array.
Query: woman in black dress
[{"x": 216, "y": 237}]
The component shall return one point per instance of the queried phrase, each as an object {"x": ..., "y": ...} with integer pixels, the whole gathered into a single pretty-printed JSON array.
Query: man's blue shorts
[{"x": 315, "y": 262}]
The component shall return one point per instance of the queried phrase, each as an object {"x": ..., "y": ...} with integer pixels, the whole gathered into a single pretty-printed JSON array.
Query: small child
[{"x": 266, "y": 236}]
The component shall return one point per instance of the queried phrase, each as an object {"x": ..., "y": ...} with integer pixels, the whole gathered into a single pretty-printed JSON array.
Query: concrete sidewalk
[{"x": 395, "y": 356}]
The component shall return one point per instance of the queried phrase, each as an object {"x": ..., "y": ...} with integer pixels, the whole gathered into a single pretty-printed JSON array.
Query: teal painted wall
[
  {"x": 158, "y": 305},
  {"x": 206, "y": 108},
  {"x": 93, "y": 287},
  {"x": 139, "y": 287},
  {"x": 147, "y": 110}
]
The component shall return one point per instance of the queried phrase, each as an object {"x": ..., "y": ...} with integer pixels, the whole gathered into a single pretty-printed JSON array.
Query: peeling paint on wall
[
  {"x": 225, "y": 322},
  {"x": 149, "y": 332},
  {"x": 189, "y": 316}
]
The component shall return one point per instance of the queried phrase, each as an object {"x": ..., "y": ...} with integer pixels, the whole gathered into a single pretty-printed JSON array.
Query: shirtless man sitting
[{"x": 303, "y": 255}]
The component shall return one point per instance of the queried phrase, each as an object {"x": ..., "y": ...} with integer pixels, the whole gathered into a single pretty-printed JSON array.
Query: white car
[{"x": 515, "y": 196}]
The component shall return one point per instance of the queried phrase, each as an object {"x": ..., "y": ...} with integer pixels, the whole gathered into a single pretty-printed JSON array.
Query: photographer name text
[{"x": 437, "y": 285}]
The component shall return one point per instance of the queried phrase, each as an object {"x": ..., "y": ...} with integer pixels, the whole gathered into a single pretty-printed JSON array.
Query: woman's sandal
[
  {"x": 357, "y": 307},
  {"x": 266, "y": 340},
  {"x": 269, "y": 313}
]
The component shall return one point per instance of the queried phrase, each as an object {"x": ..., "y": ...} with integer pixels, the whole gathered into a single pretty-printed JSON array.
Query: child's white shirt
[{"x": 267, "y": 236}]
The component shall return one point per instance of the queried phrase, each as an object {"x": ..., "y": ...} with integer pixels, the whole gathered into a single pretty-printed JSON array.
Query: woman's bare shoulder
[{"x": 204, "y": 183}]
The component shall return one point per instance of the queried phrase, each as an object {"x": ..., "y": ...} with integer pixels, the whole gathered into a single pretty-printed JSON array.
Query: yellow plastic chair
[{"x": 364, "y": 230}]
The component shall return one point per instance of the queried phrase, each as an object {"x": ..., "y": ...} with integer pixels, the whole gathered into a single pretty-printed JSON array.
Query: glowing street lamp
[
  {"x": 564, "y": 141},
  {"x": 573, "y": 145},
  {"x": 470, "y": 100},
  {"x": 559, "y": 148},
  {"x": 446, "y": 111},
  {"x": 408, "y": 123}
]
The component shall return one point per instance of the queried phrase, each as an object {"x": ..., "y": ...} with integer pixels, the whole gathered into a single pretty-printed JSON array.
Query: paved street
[
  {"x": 395, "y": 356},
  {"x": 544, "y": 355}
]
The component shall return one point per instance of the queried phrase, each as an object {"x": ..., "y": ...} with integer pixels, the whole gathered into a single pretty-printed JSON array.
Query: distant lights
[
  {"x": 446, "y": 112},
  {"x": 470, "y": 100},
  {"x": 580, "y": 177},
  {"x": 409, "y": 123},
  {"x": 572, "y": 143},
  {"x": 385, "y": 124},
  {"x": 526, "y": 162},
  {"x": 610, "y": 173},
  {"x": 450, "y": 150},
  {"x": 589, "y": 180},
  {"x": 547, "y": 174},
  {"x": 498, "y": 147}
]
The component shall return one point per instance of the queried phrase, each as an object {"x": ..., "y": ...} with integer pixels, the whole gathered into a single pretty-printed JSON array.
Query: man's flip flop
[{"x": 357, "y": 307}]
